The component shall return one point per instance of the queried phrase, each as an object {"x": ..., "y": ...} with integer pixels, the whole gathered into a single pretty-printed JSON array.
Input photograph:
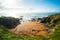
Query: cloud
[
  {"x": 20, "y": 0},
  {"x": 13, "y": 7}
]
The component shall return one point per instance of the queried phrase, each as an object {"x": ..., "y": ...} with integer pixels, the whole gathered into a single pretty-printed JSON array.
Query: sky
[{"x": 13, "y": 7}]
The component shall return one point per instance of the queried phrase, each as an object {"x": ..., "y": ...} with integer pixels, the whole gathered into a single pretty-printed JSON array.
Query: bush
[{"x": 9, "y": 22}]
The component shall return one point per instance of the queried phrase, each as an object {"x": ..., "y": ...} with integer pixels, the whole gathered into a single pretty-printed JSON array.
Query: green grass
[
  {"x": 56, "y": 34},
  {"x": 6, "y": 35}
]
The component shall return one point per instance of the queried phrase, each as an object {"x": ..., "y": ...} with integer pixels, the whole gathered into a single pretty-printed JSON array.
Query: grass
[{"x": 6, "y": 35}]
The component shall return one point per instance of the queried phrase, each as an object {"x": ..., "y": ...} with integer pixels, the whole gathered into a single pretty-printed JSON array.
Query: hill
[{"x": 53, "y": 22}]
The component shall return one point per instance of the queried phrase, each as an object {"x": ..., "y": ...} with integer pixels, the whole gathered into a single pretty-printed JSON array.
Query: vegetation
[
  {"x": 7, "y": 22},
  {"x": 6, "y": 35},
  {"x": 54, "y": 22}
]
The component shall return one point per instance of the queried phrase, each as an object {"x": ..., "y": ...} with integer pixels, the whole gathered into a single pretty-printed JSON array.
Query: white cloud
[
  {"x": 21, "y": 0},
  {"x": 12, "y": 8},
  {"x": 12, "y": 5}
]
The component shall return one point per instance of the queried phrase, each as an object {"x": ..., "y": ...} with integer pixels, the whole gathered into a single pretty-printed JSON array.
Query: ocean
[{"x": 28, "y": 16}]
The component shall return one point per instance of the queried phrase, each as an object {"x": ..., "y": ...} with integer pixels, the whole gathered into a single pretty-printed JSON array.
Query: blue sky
[
  {"x": 15, "y": 7},
  {"x": 46, "y": 5}
]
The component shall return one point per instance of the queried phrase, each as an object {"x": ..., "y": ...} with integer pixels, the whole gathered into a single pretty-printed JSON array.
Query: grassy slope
[
  {"x": 5, "y": 35},
  {"x": 56, "y": 34},
  {"x": 55, "y": 23}
]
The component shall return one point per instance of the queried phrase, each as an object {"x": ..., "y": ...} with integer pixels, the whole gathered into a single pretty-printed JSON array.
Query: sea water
[{"x": 28, "y": 16}]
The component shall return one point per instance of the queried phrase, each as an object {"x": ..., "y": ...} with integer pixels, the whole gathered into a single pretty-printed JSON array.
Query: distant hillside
[{"x": 54, "y": 22}]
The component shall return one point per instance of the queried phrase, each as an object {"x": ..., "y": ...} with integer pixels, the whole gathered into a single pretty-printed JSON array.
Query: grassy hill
[{"x": 52, "y": 20}]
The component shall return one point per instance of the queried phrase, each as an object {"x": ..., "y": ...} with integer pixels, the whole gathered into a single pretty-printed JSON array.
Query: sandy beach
[{"x": 30, "y": 28}]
